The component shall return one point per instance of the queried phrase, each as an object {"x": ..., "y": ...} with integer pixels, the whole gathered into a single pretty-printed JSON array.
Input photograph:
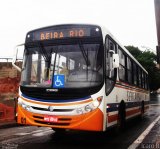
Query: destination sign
[{"x": 62, "y": 33}]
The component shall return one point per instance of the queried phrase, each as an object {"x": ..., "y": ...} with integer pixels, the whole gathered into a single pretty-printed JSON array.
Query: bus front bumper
[{"x": 91, "y": 121}]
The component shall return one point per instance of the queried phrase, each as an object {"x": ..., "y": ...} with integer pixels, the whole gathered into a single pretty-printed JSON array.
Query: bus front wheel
[{"x": 58, "y": 130}]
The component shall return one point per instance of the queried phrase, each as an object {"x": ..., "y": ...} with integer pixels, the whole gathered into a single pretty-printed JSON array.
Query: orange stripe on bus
[
  {"x": 56, "y": 104},
  {"x": 112, "y": 118},
  {"x": 128, "y": 113}
]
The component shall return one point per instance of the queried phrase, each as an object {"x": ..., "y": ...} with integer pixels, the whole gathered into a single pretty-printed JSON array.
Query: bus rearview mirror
[
  {"x": 18, "y": 54},
  {"x": 115, "y": 61}
]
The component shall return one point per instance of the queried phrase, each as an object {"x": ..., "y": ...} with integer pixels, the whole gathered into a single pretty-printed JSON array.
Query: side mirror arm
[{"x": 14, "y": 59}]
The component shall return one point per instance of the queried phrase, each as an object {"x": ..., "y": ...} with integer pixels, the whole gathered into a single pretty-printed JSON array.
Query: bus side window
[
  {"x": 140, "y": 77},
  {"x": 147, "y": 82},
  {"x": 111, "y": 46},
  {"x": 122, "y": 65},
  {"x": 129, "y": 70},
  {"x": 143, "y": 79},
  {"x": 134, "y": 74},
  {"x": 110, "y": 73}
]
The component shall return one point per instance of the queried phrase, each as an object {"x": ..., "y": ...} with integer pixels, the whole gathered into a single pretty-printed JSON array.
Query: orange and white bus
[{"x": 77, "y": 76}]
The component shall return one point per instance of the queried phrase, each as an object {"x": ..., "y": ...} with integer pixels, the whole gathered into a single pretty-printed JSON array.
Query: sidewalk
[
  {"x": 150, "y": 137},
  {"x": 8, "y": 124},
  {"x": 152, "y": 140}
]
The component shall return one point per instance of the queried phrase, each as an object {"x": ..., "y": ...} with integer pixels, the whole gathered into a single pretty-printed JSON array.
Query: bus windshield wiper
[
  {"x": 85, "y": 55},
  {"x": 47, "y": 57}
]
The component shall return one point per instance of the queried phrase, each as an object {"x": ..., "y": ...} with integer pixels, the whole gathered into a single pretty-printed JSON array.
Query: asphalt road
[{"x": 24, "y": 137}]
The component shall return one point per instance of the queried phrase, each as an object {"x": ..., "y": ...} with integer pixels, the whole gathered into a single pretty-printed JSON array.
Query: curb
[{"x": 8, "y": 124}]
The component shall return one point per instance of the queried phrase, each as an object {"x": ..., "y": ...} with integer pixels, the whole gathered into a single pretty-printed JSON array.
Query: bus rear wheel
[
  {"x": 122, "y": 116},
  {"x": 142, "y": 110}
]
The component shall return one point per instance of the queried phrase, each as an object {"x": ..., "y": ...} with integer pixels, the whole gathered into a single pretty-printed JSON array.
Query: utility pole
[{"x": 157, "y": 15}]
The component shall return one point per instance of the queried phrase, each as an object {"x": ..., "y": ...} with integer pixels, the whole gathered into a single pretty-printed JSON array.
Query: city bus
[{"x": 79, "y": 77}]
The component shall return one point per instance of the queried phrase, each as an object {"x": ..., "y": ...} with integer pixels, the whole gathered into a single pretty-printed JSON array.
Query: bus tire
[
  {"x": 122, "y": 116},
  {"x": 59, "y": 130},
  {"x": 142, "y": 110}
]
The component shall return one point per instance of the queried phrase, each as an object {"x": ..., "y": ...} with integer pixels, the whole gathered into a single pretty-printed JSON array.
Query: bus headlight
[
  {"x": 28, "y": 108},
  {"x": 79, "y": 111},
  {"x": 90, "y": 107},
  {"x": 24, "y": 106}
]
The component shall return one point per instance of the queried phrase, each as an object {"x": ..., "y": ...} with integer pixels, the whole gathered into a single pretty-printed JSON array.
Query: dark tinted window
[
  {"x": 122, "y": 65},
  {"x": 129, "y": 70}
]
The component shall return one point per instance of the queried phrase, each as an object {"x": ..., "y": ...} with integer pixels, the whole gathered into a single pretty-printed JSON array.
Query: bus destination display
[{"x": 61, "y": 33}]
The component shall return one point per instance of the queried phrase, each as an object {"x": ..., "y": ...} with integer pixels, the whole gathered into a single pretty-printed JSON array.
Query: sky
[{"x": 132, "y": 22}]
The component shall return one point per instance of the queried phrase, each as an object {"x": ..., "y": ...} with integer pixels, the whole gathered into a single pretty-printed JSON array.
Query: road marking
[
  {"x": 42, "y": 133},
  {"x": 26, "y": 137},
  {"x": 139, "y": 140},
  {"x": 37, "y": 131},
  {"x": 21, "y": 134}
]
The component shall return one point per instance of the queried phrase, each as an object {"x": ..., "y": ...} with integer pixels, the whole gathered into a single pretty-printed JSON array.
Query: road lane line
[
  {"x": 21, "y": 134},
  {"x": 42, "y": 133},
  {"x": 37, "y": 131},
  {"x": 32, "y": 132},
  {"x": 139, "y": 140},
  {"x": 21, "y": 138}
]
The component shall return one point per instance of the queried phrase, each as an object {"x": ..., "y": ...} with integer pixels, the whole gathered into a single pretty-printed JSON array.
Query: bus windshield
[{"x": 79, "y": 65}]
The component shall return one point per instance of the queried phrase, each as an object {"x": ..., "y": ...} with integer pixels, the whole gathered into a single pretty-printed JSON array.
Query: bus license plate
[{"x": 50, "y": 119}]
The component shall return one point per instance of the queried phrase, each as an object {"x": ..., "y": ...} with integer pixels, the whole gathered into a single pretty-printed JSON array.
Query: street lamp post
[{"x": 157, "y": 15}]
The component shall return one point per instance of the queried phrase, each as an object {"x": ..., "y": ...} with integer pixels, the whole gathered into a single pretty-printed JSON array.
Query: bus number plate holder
[{"x": 50, "y": 119}]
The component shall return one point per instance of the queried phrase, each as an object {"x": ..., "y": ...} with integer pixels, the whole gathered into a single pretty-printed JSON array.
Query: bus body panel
[{"x": 126, "y": 93}]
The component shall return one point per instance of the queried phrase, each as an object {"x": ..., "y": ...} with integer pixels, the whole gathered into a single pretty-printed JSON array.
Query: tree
[
  {"x": 134, "y": 51},
  {"x": 147, "y": 59}
]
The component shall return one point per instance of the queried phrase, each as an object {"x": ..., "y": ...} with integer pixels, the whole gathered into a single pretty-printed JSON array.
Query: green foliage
[
  {"x": 148, "y": 60},
  {"x": 134, "y": 51}
]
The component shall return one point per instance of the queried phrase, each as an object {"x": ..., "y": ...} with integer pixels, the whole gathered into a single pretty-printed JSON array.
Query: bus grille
[
  {"x": 54, "y": 110},
  {"x": 55, "y": 124},
  {"x": 61, "y": 121}
]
